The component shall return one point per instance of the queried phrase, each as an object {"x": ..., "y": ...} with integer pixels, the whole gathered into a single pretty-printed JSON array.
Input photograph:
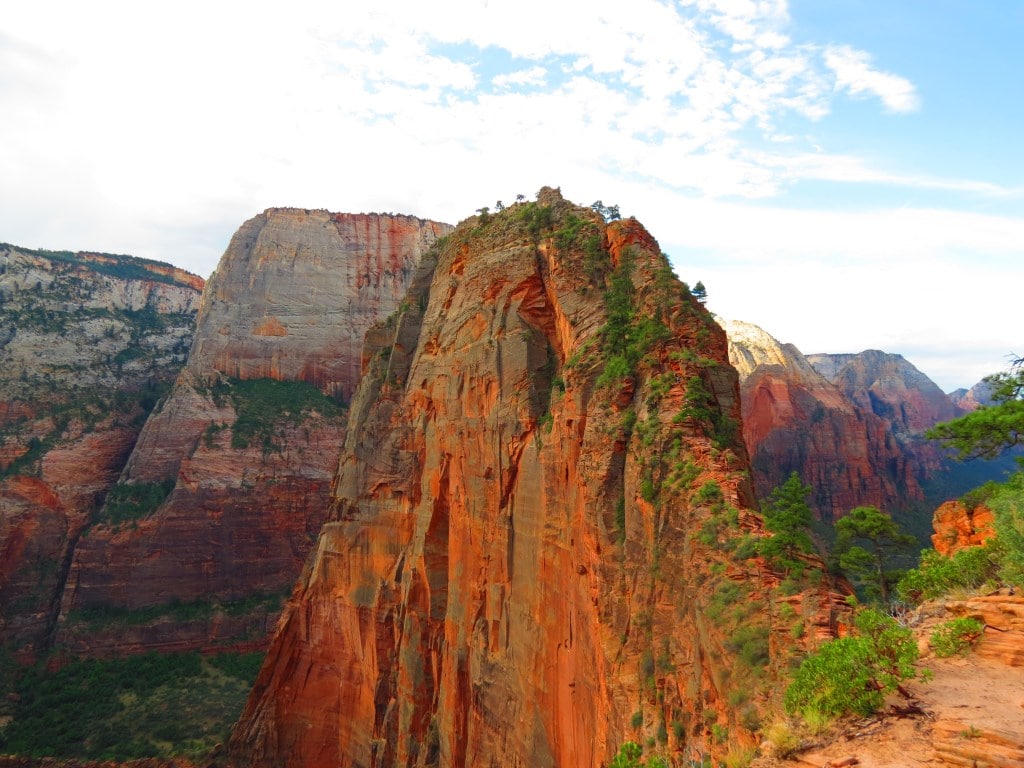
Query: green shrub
[
  {"x": 956, "y": 636},
  {"x": 750, "y": 644},
  {"x": 853, "y": 674},
  {"x": 938, "y": 575},
  {"x": 1007, "y": 504}
]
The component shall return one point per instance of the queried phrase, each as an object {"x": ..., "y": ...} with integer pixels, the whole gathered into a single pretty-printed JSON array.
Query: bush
[
  {"x": 1007, "y": 504},
  {"x": 938, "y": 575},
  {"x": 956, "y": 636},
  {"x": 854, "y": 674}
]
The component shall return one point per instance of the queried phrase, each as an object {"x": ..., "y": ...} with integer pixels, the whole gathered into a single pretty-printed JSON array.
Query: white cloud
[
  {"x": 531, "y": 76},
  {"x": 854, "y": 73},
  {"x": 160, "y": 134}
]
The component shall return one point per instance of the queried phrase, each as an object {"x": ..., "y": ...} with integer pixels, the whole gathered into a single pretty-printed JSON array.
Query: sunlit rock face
[
  {"x": 521, "y": 527},
  {"x": 852, "y": 426},
  {"x": 239, "y": 457}
]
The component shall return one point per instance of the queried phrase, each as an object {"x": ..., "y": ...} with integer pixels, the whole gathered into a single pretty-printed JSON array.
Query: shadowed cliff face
[
  {"x": 88, "y": 342},
  {"x": 852, "y": 426},
  {"x": 795, "y": 419},
  {"x": 532, "y": 551},
  {"x": 229, "y": 482}
]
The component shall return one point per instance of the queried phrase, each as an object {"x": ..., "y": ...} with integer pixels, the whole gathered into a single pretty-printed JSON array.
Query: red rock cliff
[
  {"x": 529, "y": 558},
  {"x": 245, "y": 444},
  {"x": 796, "y": 420},
  {"x": 87, "y": 344}
]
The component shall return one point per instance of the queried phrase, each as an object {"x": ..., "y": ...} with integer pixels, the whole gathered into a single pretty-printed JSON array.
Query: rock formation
[
  {"x": 88, "y": 342},
  {"x": 957, "y": 527},
  {"x": 796, "y": 420},
  {"x": 540, "y": 518},
  {"x": 229, "y": 482},
  {"x": 852, "y": 426}
]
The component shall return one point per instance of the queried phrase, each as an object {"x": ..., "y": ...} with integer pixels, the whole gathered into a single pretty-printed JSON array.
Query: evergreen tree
[
  {"x": 787, "y": 516},
  {"x": 867, "y": 540},
  {"x": 992, "y": 429},
  {"x": 700, "y": 293}
]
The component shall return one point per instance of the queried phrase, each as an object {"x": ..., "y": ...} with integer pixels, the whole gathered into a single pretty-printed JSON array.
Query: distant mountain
[
  {"x": 851, "y": 425},
  {"x": 971, "y": 399}
]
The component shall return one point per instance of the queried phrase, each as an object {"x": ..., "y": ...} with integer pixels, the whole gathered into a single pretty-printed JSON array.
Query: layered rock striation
[
  {"x": 88, "y": 343},
  {"x": 533, "y": 553},
  {"x": 229, "y": 482}
]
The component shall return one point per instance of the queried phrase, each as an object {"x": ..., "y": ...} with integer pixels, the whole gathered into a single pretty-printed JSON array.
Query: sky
[{"x": 847, "y": 174}]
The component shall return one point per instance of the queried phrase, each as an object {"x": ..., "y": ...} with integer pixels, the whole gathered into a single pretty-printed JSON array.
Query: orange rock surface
[
  {"x": 524, "y": 556},
  {"x": 957, "y": 527}
]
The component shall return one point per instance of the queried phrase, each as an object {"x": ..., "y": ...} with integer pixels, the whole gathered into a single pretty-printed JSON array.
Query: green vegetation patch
[
  {"x": 133, "y": 501},
  {"x": 100, "y": 616},
  {"x": 156, "y": 705},
  {"x": 264, "y": 405},
  {"x": 956, "y": 636},
  {"x": 853, "y": 674}
]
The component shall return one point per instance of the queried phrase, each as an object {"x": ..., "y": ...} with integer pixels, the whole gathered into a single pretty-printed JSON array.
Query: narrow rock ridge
[{"x": 528, "y": 541}]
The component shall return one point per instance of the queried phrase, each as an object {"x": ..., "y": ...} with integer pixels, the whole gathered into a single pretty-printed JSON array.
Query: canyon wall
[
  {"x": 88, "y": 344},
  {"x": 229, "y": 482},
  {"x": 540, "y": 543}
]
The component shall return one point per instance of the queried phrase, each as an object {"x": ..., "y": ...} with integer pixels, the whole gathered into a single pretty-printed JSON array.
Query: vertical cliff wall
[
  {"x": 88, "y": 343},
  {"x": 229, "y": 482},
  {"x": 539, "y": 539}
]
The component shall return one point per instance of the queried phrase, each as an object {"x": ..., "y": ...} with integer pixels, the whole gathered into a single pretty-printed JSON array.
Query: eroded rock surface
[
  {"x": 88, "y": 343},
  {"x": 234, "y": 470},
  {"x": 532, "y": 553}
]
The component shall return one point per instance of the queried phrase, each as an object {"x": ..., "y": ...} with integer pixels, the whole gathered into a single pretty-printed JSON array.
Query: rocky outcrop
[
  {"x": 957, "y": 527},
  {"x": 971, "y": 399},
  {"x": 796, "y": 420},
  {"x": 88, "y": 343},
  {"x": 533, "y": 553},
  {"x": 229, "y": 481}
]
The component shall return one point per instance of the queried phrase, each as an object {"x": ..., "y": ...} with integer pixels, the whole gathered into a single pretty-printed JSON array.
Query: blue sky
[{"x": 848, "y": 174}]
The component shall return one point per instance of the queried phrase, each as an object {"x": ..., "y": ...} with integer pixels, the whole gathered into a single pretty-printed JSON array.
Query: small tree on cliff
[
  {"x": 787, "y": 516},
  {"x": 700, "y": 293},
  {"x": 867, "y": 540},
  {"x": 992, "y": 429}
]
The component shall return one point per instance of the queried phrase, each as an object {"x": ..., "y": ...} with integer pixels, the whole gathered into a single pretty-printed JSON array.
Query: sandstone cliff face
[
  {"x": 532, "y": 551},
  {"x": 88, "y": 342},
  {"x": 797, "y": 420},
  {"x": 230, "y": 479},
  {"x": 891, "y": 388}
]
